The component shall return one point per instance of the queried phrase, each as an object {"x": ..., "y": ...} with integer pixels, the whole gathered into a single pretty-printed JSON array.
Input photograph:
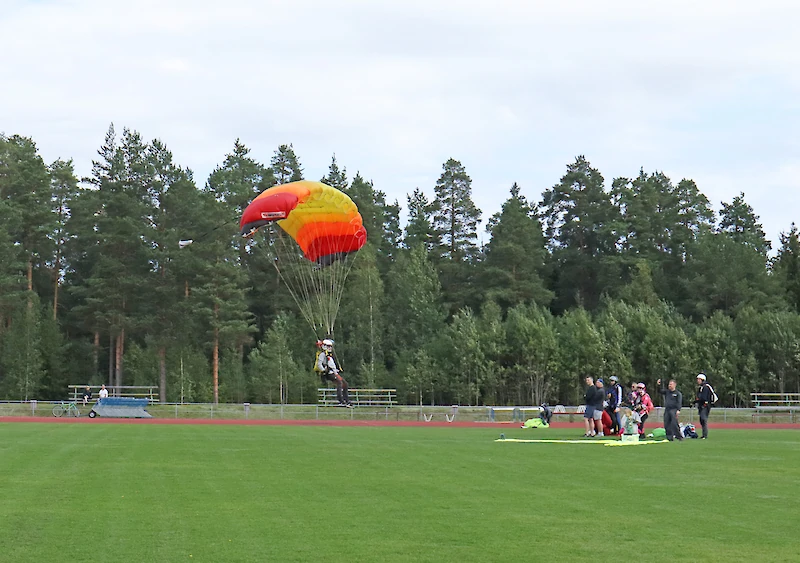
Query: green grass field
[{"x": 107, "y": 492}]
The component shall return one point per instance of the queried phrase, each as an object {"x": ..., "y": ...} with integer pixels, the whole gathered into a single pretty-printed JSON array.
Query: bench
[
  {"x": 774, "y": 405},
  {"x": 149, "y": 392},
  {"x": 359, "y": 397}
]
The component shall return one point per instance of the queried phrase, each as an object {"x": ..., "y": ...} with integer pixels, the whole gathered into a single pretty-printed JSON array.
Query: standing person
[
  {"x": 588, "y": 414},
  {"x": 633, "y": 396},
  {"x": 87, "y": 395},
  {"x": 329, "y": 371},
  {"x": 673, "y": 400},
  {"x": 103, "y": 392},
  {"x": 599, "y": 407},
  {"x": 614, "y": 397},
  {"x": 704, "y": 398},
  {"x": 644, "y": 406}
]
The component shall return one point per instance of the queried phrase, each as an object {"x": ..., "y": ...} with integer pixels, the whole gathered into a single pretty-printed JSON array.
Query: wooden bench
[
  {"x": 359, "y": 397},
  {"x": 775, "y": 405}
]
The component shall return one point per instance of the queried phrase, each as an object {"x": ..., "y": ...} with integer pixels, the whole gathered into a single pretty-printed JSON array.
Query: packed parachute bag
[
  {"x": 658, "y": 434},
  {"x": 688, "y": 431}
]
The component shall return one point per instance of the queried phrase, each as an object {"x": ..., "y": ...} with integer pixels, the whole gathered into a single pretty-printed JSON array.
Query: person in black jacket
[
  {"x": 614, "y": 396},
  {"x": 673, "y": 399},
  {"x": 703, "y": 401}
]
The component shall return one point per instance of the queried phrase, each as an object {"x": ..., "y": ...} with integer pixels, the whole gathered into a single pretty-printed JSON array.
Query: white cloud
[{"x": 515, "y": 90}]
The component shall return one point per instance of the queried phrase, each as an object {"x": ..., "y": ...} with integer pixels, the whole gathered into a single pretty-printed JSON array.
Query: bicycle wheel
[
  {"x": 58, "y": 410},
  {"x": 74, "y": 410}
]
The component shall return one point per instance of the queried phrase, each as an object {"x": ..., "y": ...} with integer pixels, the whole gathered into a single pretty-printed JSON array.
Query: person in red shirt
[{"x": 644, "y": 407}]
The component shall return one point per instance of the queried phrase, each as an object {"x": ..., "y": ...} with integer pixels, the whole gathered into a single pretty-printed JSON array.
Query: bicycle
[{"x": 70, "y": 409}]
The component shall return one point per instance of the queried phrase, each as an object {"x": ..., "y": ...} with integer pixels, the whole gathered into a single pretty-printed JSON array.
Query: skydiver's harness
[{"x": 324, "y": 371}]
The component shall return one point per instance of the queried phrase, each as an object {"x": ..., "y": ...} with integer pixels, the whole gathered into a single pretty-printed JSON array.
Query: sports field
[{"x": 135, "y": 492}]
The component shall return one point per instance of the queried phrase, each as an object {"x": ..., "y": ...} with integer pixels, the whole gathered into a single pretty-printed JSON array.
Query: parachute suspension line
[
  {"x": 317, "y": 289},
  {"x": 283, "y": 265}
]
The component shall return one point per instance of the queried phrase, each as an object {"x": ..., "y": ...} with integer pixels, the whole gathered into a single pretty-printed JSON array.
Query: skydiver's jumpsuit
[{"x": 329, "y": 372}]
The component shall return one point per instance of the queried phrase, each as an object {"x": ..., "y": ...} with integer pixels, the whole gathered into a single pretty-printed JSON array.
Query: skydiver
[{"x": 326, "y": 367}]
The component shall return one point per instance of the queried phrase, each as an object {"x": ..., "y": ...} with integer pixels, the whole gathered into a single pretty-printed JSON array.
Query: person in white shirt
[{"x": 103, "y": 392}]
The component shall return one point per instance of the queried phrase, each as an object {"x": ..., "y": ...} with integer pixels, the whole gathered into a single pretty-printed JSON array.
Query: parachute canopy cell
[{"x": 323, "y": 221}]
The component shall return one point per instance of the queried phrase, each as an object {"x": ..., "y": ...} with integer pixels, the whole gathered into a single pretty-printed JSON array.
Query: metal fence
[{"x": 247, "y": 411}]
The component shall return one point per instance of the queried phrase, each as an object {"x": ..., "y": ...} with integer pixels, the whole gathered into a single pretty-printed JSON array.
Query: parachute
[{"x": 312, "y": 233}]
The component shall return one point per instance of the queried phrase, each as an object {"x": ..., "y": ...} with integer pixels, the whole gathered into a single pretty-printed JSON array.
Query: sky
[{"x": 515, "y": 90}]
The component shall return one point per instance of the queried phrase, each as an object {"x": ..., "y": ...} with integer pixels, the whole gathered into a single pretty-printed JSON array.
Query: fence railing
[
  {"x": 247, "y": 411},
  {"x": 775, "y": 400}
]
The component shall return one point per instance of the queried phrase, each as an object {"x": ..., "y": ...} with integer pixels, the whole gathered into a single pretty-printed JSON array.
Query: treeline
[{"x": 638, "y": 277}]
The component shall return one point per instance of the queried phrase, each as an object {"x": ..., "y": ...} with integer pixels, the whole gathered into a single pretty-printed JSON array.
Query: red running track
[{"x": 311, "y": 422}]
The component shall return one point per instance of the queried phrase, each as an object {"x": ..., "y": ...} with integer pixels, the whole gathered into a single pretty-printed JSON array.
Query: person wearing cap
[
  {"x": 614, "y": 398},
  {"x": 703, "y": 402},
  {"x": 643, "y": 406},
  {"x": 599, "y": 404},
  {"x": 673, "y": 399}
]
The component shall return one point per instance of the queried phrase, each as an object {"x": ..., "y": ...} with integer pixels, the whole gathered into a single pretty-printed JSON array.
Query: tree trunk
[
  {"x": 57, "y": 282},
  {"x": 118, "y": 357},
  {"x": 112, "y": 345},
  {"x": 30, "y": 284},
  {"x": 215, "y": 356},
  {"x": 162, "y": 368},
  {"x": 371, "y": 336},
  {"x": 96, "y": 352}
]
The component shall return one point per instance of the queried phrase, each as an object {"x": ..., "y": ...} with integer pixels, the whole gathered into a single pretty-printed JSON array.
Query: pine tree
[
  {"x": 12, "y": 265},
  {"x": 513, "y": 270},
  {"x": 419, "y": 229},
  {"x": 582, "y": 228},
  {"x": 741, "y": 223},
  {"x": 221, "y": 301},
  {"x": 21, "y": 360},
  {"x": 381, "y": 220},
  {"x": 25, "y": 185},
  {"x": 285, "y": 165},
  {"x": 361, "y": 325},
  {"x": 240, "y": 179},
  {"x": 455, "y": 215},
  {"x": 64, "y": 187},
  {"x": 787, "y": 266},
  {"x": 336, "y": 178}
]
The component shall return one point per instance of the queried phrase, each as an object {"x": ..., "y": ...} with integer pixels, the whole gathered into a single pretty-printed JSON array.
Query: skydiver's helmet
[{"x": 327, "y": 345}]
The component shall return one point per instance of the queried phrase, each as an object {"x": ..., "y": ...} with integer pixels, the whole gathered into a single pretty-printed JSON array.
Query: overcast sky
[{"x": 708, "y": 90}]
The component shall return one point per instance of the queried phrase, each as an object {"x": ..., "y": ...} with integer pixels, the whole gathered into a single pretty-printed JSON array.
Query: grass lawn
[{"x": 108, "y": 492}]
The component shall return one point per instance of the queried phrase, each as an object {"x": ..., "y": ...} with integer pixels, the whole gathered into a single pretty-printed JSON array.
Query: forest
[{"x": 637, "y": 277}]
